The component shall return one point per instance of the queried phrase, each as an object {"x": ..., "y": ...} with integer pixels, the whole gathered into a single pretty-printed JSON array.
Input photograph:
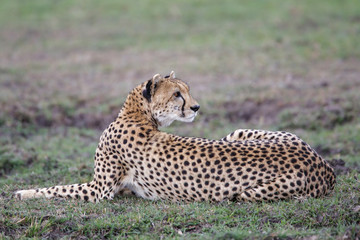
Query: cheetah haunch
[{"x": 246, "y": 165}]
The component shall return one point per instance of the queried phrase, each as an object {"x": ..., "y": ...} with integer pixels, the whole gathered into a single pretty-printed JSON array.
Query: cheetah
[{"x": 246, "y": 165}]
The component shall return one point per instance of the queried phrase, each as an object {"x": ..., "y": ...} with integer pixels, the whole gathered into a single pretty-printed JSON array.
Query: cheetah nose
[{"x": 195, "y": 108}]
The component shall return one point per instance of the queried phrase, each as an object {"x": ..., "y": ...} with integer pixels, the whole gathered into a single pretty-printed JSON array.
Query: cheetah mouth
[{"x": 188, "y": 118}]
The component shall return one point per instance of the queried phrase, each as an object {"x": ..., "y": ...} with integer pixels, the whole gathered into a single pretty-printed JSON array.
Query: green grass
[
  {"x": 133, "y": 217},
  {"x": 67, "y": 66}
]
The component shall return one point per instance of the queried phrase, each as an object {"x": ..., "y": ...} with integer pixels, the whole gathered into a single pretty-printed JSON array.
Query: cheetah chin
[{"x": 247, "y": 165}]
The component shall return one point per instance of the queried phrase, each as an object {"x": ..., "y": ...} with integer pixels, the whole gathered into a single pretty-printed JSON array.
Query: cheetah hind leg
[{"x": 279, "y": 188}]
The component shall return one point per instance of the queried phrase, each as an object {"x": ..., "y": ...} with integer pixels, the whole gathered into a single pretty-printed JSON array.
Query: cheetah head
[{"x": 169, "y": 100}]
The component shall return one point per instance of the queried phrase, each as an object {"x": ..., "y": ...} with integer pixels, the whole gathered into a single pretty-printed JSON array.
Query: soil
[
  {"x": 308, "y": 101},
  {"x": 340, "y": 167},
  {"x": 59, "y": 117},
  {"x": 254, "y": 111},
  {"x": 291, "y": 115}
]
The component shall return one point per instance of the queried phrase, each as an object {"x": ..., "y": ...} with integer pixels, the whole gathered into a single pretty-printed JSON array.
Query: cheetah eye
[{"x": 177, "y": 94}]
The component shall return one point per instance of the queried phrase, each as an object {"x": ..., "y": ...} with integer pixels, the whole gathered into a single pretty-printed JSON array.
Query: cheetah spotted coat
[{"x": 246, "y": 165}]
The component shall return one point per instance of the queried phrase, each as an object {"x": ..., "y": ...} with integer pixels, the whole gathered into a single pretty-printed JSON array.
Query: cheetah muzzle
[{"x": 246, "y": 165}]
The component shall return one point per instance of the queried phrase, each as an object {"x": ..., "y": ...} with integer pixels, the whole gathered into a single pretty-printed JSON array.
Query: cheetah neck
[{"x": 136, "y": 109}]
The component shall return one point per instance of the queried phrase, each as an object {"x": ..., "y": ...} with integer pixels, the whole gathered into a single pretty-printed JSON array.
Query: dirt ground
[{"x": 325, "y": 99}]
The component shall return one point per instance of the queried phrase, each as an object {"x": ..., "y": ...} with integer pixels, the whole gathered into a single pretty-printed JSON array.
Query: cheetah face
[{"x": 170, "y": 100}]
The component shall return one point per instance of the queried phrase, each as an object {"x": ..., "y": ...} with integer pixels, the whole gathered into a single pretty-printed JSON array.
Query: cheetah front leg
[
  {"x": 85, "y": 191},
  {"x": 106, "y": 183},
  {"x": 251, "y": 135}
]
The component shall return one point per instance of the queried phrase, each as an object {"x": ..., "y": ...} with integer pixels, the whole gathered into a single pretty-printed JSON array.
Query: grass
[
  {"x": 66, "y": 68},
  {"x": 133, "y": 217}
]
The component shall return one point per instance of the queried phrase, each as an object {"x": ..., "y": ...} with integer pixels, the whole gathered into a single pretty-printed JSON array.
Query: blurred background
[
  {"x": 66, "y": 68},
  {"x": 278, "y": 65},
  {"x": 260, "y": 64}
]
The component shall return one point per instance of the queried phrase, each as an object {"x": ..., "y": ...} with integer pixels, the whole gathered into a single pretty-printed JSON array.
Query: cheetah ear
[
  {"x": 172, "y": 75},
  {"x": 150, "y": 87},
  {"x": 156, "y": 78}
]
